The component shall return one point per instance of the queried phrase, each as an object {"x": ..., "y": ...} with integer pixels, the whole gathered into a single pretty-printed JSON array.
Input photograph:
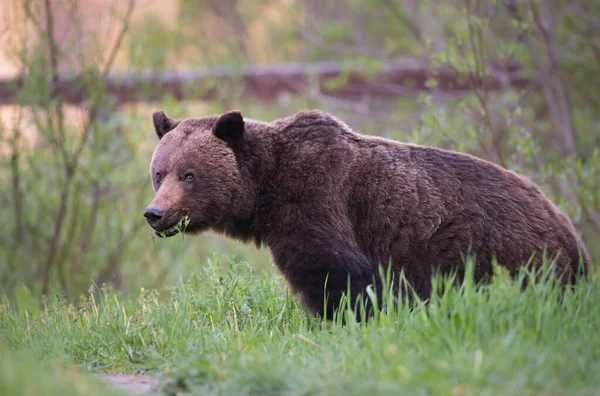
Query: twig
[
  {"x": 113, "y": 52},
  {"x": 412, "y": 27},
  {"x": 480, "y": 92},
  {"x": 16, "y": 179},
  {"x": 64, "y": 195},
  {"x": 311, "y": 342}
]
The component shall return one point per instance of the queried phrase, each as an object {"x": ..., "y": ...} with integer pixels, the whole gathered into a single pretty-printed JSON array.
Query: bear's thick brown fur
[{"x": 331, "y": 203}]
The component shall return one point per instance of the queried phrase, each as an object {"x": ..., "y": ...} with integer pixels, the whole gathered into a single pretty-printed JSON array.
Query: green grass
[
  {"x": 229, "y": 330},
  {"x": 23, "y": 375}
]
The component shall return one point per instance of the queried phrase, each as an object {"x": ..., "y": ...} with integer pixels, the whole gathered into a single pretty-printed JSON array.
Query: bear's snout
[
  {"x": 164, "y": 224},
  {"x": 153, "y": 214}
]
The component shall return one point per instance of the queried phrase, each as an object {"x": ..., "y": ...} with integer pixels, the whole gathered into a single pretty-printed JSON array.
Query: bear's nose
[{"x": 153, "y": 214}]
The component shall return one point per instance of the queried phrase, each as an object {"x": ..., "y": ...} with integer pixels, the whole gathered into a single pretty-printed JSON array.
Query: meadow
[{"x": 230, "y": 329}]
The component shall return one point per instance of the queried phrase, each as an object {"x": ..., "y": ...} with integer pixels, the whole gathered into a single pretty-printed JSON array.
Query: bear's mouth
[
  {"x": 179, "y": 227},
  {"x": 167, "y": 233}
]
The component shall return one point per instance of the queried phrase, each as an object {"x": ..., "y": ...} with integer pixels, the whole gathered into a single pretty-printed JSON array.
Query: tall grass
[{"x": 228, "y": 330}]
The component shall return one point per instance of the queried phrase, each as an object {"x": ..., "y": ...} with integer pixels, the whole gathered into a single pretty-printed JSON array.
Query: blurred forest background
[{"x": 514, "y": 82}]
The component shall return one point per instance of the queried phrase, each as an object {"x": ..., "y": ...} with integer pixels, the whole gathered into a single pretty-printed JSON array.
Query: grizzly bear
[{"x": 334, "y": 205}]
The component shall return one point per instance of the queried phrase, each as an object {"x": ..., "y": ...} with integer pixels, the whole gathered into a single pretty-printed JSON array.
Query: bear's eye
[
  {"x": 158, "y": 177},
  {"x": 188, "y": 177}
]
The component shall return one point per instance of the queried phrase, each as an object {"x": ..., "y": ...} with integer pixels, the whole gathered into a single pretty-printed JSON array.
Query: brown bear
[{"x": 334, "y": 205}]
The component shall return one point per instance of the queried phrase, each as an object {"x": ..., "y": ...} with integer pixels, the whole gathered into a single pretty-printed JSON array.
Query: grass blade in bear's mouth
[
  {"x": 168, "y": 233},
  {"x": 176, "y": 229}
]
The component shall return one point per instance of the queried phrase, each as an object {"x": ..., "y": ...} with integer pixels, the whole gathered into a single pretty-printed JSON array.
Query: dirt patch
[{"x": 132, "y": 383}]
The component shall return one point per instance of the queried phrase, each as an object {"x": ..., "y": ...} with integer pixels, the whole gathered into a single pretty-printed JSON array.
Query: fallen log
[{"x": 266, "y": 82}]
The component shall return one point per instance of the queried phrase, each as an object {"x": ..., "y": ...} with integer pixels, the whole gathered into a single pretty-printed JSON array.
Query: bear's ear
[
  {"x": 163, "y": 123},
  {"x": 229, "y": 127}
]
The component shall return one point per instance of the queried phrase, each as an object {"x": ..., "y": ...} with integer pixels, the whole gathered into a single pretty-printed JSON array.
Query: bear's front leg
[{"x": 319, "y": 271}]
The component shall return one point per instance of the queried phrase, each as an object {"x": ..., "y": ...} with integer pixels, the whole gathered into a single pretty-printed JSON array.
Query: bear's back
[{"x": 417, "y": 201}]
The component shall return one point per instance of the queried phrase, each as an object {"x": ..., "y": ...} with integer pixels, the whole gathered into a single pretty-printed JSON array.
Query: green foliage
[
  {"x": 231, "y": 330},
  {"x": 153, "y": 46},
  {"x": 544, "y": 135}
]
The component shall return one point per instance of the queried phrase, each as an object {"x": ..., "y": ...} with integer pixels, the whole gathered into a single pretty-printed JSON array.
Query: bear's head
[{"x": 195, "y": 175}]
